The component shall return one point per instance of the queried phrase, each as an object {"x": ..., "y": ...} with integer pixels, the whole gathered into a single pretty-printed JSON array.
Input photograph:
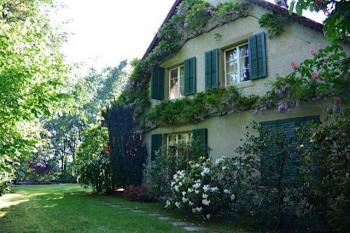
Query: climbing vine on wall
[{"x": 273, "y": 23}]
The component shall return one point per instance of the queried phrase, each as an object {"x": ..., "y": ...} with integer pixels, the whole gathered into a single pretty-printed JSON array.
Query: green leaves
[
  {"x": 337, "y": 23},
  {"x": 32, "y": 75},
  {"x": 93, "y": 163},
  {"x": 274, "y": 24}
]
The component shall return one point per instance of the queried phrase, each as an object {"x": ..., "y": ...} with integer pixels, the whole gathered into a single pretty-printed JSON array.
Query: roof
[{"x": 262, "y": 3}]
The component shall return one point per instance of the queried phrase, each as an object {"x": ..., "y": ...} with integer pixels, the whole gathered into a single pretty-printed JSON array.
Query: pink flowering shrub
[
  {"x": 326, "y": 74},
  {"x": 294, "y": 65}
]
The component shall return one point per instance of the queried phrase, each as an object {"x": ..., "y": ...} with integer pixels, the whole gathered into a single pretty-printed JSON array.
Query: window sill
[{"x": 244, "y": 84}]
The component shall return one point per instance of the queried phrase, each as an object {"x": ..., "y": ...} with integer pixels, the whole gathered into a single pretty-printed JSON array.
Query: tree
[
  {"x": 337, "y": 23},
  {"x": 88, "y": 97},
  {"x": 32, "y": 78}
]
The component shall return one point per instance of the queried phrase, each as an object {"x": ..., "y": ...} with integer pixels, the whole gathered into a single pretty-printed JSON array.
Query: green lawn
[{"x": 69, "y": 208}]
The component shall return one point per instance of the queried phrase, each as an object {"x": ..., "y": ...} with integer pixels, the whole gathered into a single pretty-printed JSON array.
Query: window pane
[
  {"x": 231, "y": 67},
  {"x": 182, "y": 81},
  {"x": 184, "y": 138},
  {"x": 243, "y": 63},
  {"x": 172, "y": 139},
  {"x": 182, "y": 71},
  {"x": 174, "y": 84}
]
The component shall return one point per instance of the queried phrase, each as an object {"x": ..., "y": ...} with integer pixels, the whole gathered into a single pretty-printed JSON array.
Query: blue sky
[{"x": 103, "y": 32}]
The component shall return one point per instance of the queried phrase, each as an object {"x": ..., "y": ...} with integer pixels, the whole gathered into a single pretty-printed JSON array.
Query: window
[
  {"x": 176, "y": 140},
  {"x": 236, "y": 65},
  {"x": 176, "y": 82}
]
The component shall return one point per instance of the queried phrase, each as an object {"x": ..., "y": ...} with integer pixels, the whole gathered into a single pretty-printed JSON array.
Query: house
[{"x": 209, "y": 60}]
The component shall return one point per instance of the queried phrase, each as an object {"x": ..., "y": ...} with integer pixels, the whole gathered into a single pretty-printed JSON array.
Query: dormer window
[
  {"x": 236, "y": 65},
  {"x": 176, "y": 82}
]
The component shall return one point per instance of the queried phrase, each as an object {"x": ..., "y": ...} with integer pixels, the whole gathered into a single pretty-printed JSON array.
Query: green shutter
[
  {"x": 215, "y": 69},
  {"x": 156, "y": 144},
  {"x": 260, "y": 44},
  {"x": 271, "y": 164},
  {"x": 190, "y": 76},
  {"x": 212, "y": 69},
  {"x": 200, "y": 136},
  {"x": 161, "y": 78},
  {"x": 207, "y": 70},
  {"x": 253, "y": 58},
  {"x": 157, "y": 83},
  {"x": 257, "y": 56}
]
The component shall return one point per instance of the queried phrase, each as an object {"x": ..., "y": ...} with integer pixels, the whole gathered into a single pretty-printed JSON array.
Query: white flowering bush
[
  {"x": 202, "y": 189},
  {"x": 239, "y": 175}
]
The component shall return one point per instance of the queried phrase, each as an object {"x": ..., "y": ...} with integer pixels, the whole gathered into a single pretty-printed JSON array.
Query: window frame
[
  {"x": 178, "y": 68},
  {"x": 237, "y": 46}
]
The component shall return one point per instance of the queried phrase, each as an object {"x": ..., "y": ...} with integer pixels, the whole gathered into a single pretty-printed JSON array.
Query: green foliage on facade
[
  {"x": 214, "y": 102},
  {"x": 273, "y": 23}
]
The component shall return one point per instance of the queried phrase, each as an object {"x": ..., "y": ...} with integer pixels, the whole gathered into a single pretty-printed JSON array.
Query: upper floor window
[
  {"x": 236, "y": 65},
  {"x": 176, "y": 82},
  {"x": 178, "y": 141}
]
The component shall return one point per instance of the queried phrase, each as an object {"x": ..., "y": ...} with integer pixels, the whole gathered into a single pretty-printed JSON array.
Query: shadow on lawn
[
  {"x": 60, "y": 210},
  {"x": 39, "y": 208}
]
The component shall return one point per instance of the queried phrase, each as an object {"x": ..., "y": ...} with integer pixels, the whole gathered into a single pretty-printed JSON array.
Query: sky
[{"x": 102, "y": 33}]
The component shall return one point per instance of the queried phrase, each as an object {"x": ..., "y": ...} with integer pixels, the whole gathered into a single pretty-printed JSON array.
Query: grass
[{"x": 69, "y": 208}]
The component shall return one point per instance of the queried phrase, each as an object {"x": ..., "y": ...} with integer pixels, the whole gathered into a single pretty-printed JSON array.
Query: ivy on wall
[
  {"x": 214, "y": 102},
  {"x": 273, "y": 23}
]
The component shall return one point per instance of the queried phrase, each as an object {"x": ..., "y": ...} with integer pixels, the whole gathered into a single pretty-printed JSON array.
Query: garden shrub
[
  {"x": 93, "y": 163},
  {"x": 159, "y": 172},
  {"x": 315, "y": 197},
  {"x": 128, "y": 152},
  {"x": 326, "y": 171},
  {"x": 275, "y": 201},
  {"x": 210, "y": 189}
]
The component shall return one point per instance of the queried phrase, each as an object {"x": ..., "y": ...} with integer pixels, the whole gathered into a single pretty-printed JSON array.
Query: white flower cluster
[
  {"x": 177, "y": 180},
  {"x": 205, "y": 171},
  {"x": 199, "y": 190}
]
